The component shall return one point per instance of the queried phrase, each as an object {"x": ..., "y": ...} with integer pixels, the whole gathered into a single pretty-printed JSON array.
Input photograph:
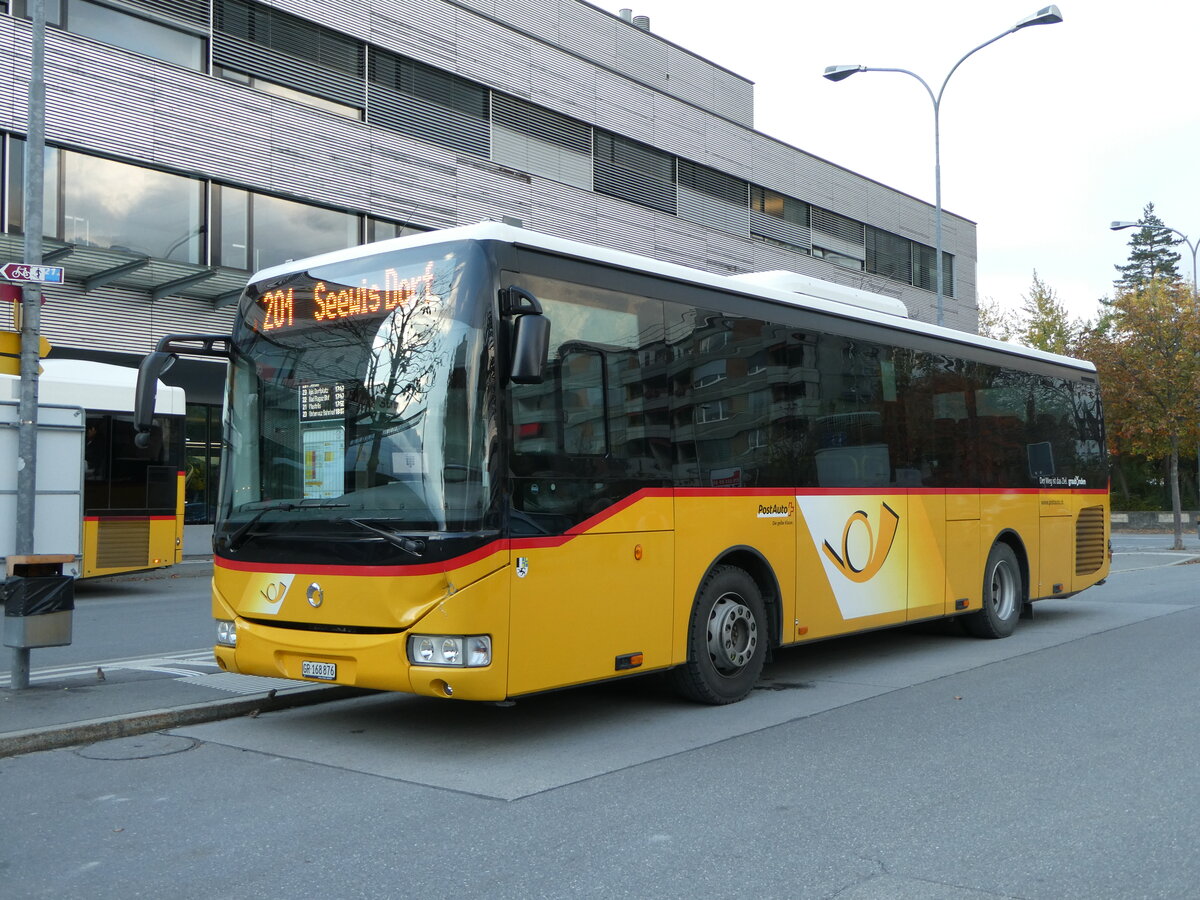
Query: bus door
[
  {"x": 1056, "y": 505},
  {"x": 942, "y": 438},
  {"x": 592, "y": 568},
  {"x": 958, "y": 453},
  {"x": 591, "y": 605},
  {"x": 963, "y": 566}
]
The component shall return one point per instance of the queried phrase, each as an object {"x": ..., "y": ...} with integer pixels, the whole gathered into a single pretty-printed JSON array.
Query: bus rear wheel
[
  {"x": 727, "y": 639},
  {"x": 1003, "y": 596}
]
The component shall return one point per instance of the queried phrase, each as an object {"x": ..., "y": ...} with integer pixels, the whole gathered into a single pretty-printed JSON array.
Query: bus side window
[
  {"x": 584, "y": 410},
  {"x": 96, "y": 449}
]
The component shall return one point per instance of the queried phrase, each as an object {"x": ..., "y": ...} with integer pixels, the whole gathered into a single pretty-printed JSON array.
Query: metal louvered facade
[
  {"x": 554, "y": 112},
  {"x": 196, "y": 12}
]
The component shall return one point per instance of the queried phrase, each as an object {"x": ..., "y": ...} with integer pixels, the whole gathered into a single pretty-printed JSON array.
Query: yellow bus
[
  {"x": 131, "y": 509},
  {"x": 484, "y": 462}
]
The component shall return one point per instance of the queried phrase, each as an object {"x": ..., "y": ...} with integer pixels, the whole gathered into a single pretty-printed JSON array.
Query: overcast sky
[{"x": 1047, "y": 135}]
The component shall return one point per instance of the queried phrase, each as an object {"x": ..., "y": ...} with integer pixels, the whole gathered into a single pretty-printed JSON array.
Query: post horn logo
[
  {"x": 273, "y": 592},
  {"x": 879, "y": 546}
]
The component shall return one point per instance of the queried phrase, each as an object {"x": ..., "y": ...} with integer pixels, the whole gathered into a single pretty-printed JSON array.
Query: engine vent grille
[
  {"x": 122, "y": 543},
  {"x": 1089, "y": 540}
]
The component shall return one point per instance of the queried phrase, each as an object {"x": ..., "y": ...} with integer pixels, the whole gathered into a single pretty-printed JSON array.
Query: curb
[{"x": 89, "y": 731}]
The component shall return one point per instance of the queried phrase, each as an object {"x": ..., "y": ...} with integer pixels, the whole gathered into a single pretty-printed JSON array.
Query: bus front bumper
[{"x": 376, "y": 661}]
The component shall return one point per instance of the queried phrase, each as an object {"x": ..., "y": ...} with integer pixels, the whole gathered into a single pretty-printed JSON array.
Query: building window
[
  {"x": 95, "y": 202},
  {"x": 634, "y": 172},
  {"x": 889, "y": 255},
  {"x": 532, "y": 139},
  {"x": 288, "y": 52},
  {"x": 428, "y": 103},
  {"x": 255, "y": 231},
  {"x": 141, "y": 35},
  {"x": 838, "y": 259},
  {"x": 712, "y": 182},
  {"x": 779, "y": 219},
  {"x": 925, "y": 268},
  {"x": 383, "y": 230},
  {"x": 836, "y": 225},
  {"x": 287, "y": 93},
  {"x": 16, "y": 188},
  {"x": 778, "y": 206}
]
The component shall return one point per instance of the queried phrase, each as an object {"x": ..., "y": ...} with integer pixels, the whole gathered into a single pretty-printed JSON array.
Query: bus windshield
[{"x": 356, "y": 393}]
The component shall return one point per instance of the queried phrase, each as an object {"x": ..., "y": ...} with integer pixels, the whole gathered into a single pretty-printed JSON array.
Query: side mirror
[
  {"x": 156, "y": 363},
  {"x": 153, "y": 366},
  {"x": 530, "y": 346}
]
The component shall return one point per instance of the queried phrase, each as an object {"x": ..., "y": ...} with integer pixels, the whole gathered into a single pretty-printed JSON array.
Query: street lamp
[
  {"x": 1118, "y": 226},
  {"x": 1050, "y": 15}
]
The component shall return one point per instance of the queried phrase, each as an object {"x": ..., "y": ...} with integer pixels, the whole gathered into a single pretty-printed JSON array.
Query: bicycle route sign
[{"x": 35, "y": 274}]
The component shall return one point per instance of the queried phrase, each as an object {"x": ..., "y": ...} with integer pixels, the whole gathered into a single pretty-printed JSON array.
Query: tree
[
  {"x": 1148, "y": 356},
  {"x": 1042, "y": 321},
  {"x": 1044, "y": 324},
  {"x": 995, "y": 321},
  {"x": 1151, "y": 257}
]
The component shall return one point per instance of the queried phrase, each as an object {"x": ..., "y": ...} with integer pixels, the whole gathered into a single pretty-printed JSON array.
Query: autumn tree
[
  {"x": 1045, "y": 324},
  {"x": 1152, "y": 256},
  {"x": 995, "y": 321},
  {"x": 1041, "y": 322},
  {"x": 1148, "y": 355}
]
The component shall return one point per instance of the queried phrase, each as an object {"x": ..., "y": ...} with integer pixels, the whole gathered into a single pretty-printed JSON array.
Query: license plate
[{"x": 320, "y": 670}]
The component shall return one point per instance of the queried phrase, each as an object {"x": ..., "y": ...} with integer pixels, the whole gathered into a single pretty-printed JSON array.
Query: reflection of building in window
[
  {"x": 850, "y": 450},
  {"x": 709, "y": 373},
  {"x": 714, "y": 411}
]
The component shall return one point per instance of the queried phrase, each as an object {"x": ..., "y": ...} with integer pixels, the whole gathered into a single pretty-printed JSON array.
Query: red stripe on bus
[
  {"x": 608, "y": 512},
  {"x": 501, "y": 545},
  {"x": 170, "y": 518}
]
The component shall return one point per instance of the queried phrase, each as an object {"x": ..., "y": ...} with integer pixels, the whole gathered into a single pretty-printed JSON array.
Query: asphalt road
[{"x": 914, "y": 763}]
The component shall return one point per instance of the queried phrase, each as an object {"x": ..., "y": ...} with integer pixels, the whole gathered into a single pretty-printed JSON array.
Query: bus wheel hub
[{"x": 732, "y": 633}]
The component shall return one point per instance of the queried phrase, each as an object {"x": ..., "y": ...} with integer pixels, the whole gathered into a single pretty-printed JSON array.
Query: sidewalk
[
  {"x": 51, "y": 715},
  {"x": 71, "y": 705}
]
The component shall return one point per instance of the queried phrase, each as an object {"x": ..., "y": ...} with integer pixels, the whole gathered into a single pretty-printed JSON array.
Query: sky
[{"x": 1047, "y": 135}]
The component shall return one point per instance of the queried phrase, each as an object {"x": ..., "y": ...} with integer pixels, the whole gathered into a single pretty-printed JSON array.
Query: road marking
[{"x": 166, "y": 663}]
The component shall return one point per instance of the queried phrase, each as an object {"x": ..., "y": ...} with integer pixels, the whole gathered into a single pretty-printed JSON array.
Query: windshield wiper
[
  {"x": 408, "y": 545},
  {"x": 235, "y": 540}
]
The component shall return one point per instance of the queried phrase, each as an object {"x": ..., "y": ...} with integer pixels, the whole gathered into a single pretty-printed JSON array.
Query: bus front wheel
[
  {"x": 727, "y": 639},
  {"x": 1003, "y": 596}
]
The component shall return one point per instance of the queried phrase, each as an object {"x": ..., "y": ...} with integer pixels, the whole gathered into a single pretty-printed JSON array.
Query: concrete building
[{"x": 190, "y": 142}]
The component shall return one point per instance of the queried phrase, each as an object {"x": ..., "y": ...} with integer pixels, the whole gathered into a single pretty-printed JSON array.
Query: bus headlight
[
  {"x": 470, "y": 651},
  {"x": 226, "y": 633}
]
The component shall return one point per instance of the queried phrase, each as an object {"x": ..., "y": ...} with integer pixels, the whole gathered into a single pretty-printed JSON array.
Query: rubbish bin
[{"x": 38, "y": 610}]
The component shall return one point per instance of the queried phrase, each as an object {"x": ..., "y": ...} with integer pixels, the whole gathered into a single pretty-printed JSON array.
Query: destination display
[
  {"x": 322, "y": 401},
  {"x": 321, "y": 302}
]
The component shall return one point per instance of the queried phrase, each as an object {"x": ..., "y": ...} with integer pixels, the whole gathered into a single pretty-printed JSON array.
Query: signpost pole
[{"x": 31, "y": 311}]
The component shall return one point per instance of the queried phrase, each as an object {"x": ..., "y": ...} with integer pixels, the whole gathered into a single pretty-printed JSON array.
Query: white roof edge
[
  {"x": 498, "y": 231},
  {"x": 101, "y": 386}
]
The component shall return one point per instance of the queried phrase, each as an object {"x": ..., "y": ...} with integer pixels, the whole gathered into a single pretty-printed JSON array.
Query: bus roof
[
  {"x": 96, "y": 386},
  {"x": 789, "y": 288}
]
